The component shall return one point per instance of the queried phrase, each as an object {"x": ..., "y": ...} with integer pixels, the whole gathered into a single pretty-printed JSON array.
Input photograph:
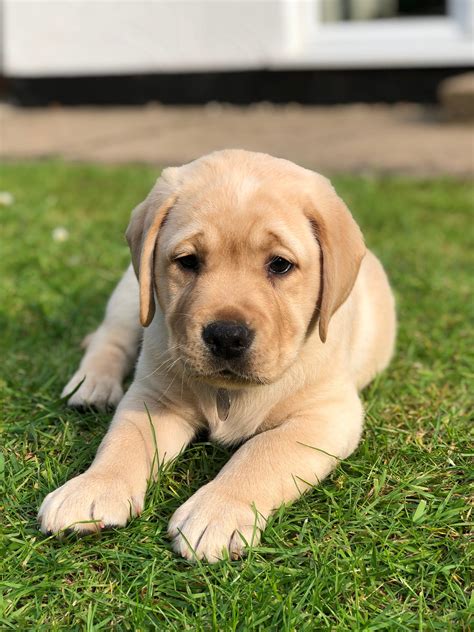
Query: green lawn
[{"x": 381, "y": 545}]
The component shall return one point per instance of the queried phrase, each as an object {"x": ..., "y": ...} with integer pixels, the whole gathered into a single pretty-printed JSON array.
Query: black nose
[{"x": 227, "y": 338}]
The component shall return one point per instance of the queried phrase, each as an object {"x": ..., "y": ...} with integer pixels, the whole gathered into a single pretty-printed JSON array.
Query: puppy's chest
[{"x": 231, "y": 415}]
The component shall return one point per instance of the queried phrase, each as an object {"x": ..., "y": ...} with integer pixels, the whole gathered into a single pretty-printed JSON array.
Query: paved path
[{"x": 356, "y": 138}]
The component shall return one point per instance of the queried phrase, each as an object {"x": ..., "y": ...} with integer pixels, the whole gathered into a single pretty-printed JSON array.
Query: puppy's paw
[
  {"x": 89, "y": 503},
  {"x": 95, "y": 390},
  {"x": 212, "y": 526}
]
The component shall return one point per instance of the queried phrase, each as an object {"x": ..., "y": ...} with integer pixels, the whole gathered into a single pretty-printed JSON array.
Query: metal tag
[{"x": 222, "y": 403}]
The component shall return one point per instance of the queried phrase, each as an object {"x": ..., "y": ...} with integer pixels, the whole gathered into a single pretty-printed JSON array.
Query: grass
[{"x": 381, "y": 545}]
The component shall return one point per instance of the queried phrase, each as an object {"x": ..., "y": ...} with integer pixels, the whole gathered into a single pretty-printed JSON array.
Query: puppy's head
[{"x": 245, "y": 253}]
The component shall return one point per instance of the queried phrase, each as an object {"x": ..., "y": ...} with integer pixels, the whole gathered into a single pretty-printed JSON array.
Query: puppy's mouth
[
  {"x": 221, "y": 373},
  {"x": 229, "y": 377},
  {"x": 228, "y": 373},
  {"x": 236, "y": 376}
]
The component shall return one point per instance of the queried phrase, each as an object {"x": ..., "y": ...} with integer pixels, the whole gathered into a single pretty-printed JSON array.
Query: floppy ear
[
  {"x": 142, "y": 234},
  {"x": 342, "y": 247}
]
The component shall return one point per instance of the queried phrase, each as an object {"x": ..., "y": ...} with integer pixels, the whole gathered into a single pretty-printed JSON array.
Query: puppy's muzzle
[{"x": 227, "y": 339}]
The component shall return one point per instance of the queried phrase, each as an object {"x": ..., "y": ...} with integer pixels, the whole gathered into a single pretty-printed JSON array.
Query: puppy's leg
[
  {"x": 113, "y": 489},
  {"x": 272, "y": 468},
  {"x": 111, "y": 350}
]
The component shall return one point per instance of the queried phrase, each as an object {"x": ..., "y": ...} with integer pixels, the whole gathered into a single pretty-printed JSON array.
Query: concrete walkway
[{"x": 404, "y": 138}]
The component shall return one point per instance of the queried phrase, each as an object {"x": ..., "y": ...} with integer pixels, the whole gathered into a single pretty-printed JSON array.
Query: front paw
[
  {"x": 94, "y": 390},
  {"x": 212, "y": 525},
  {"x": 89, "y": 503}
]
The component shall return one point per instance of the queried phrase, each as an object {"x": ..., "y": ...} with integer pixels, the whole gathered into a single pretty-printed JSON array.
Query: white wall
[
  {"x": 98, "y": 37},
  {"x": 64, "y": 37}
]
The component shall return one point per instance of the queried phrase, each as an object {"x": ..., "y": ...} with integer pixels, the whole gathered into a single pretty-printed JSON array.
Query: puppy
[{"x": 264, "y": 314}]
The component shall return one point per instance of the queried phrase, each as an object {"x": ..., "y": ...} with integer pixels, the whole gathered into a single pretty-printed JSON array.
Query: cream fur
[{"x": 321, "y": 335}]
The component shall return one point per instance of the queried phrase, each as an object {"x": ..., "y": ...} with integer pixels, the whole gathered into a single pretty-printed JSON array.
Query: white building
[{"x": 47, "y": 38}]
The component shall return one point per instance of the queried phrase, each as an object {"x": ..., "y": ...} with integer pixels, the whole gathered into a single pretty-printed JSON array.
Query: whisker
[
  {"x": 168, "y": 388},
  {"x": 168, "y": 360}
]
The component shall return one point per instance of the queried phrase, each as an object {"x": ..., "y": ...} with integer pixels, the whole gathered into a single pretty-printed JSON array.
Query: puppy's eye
[
  {"x": 278, "y": 265},
  {"x": 188, "y": 262}
]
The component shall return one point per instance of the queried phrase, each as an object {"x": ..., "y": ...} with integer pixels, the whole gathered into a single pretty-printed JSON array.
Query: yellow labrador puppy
[{"x": 264, "y": 315}]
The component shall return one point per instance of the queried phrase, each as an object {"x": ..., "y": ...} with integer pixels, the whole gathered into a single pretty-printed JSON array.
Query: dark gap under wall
[{"x": 317, "y": 87}]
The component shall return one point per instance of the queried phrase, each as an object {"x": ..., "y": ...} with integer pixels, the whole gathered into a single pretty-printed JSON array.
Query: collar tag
[{"x": 222, "y": 403}]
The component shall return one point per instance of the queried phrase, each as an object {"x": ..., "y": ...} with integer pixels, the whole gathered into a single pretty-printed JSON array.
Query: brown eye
[
  {"x": 278, "y": 265},
  {"x": 188, "y": 262}
]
